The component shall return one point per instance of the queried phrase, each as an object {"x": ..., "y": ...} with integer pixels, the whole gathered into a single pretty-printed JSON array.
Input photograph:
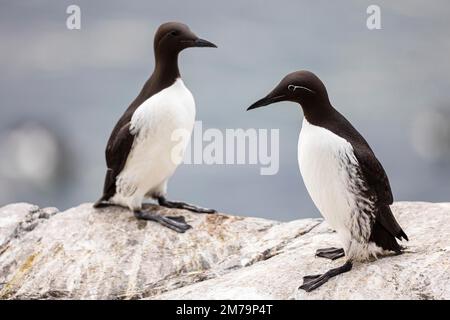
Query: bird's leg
[
  {"x": 313, "y": 282},
  {"x": 177, "y": 223},
  {"x": 182, "y": 205},
  {"x": 330, "y": 253}
]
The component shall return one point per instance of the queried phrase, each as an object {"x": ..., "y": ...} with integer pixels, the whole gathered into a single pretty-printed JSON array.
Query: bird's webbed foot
[
  {"x": 162, "y": 201},
  {"x": 176, "y": 223},
  {"x": 330, "y": 253},
  {"x": 313, "y": 282}
]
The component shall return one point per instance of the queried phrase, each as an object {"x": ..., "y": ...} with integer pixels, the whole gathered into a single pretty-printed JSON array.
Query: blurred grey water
[{"x": 393, "y": 85}]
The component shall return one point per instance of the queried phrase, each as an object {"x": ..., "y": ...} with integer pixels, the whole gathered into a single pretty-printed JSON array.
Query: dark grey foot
[
  {"x": 177, "y": 223},
  {"x": 330, "y": 253},
  {"x": 313, "y": 282},
  {"x": 182, "y": 205}
]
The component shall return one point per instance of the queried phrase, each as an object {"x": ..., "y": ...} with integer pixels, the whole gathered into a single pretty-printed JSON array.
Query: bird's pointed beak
[
  {"x": 202, "y": 43},
  {"x": 269, "y": 99}
]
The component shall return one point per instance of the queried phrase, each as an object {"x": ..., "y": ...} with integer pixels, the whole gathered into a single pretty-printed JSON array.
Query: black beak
[
  {"x": 269, "y": 99},
  {"x": 202, "y": 43}
]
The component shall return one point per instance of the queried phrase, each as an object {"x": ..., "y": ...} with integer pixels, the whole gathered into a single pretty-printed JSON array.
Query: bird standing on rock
[
  {"x": 342, "y": 175},
  {"x": 139, "y": 151}
]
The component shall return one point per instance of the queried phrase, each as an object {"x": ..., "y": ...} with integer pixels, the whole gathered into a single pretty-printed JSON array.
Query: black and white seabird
[
  {"x": 139, "y": 151},
  {"x": 342, "y": 175}
]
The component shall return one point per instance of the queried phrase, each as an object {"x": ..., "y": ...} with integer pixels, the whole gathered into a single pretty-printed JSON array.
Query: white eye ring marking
[{"x": 292, "y": 88}]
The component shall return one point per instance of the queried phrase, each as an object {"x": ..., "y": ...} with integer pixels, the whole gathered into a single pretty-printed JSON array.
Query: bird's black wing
[
  {"x": 372, "y": 170},
  {"x": 379, "y": 188},
  {"x": 121, "y": 140},
  {"x": 117, "y": 151},
  {"x": 372, "y": 173}
]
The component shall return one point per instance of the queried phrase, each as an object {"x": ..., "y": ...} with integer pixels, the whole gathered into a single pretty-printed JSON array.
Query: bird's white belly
[
  {"x": 162, "y": 127},
  {"x": 320, "y": 155}
]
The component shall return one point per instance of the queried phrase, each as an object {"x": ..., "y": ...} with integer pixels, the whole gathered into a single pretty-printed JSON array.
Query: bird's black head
[
  {"x": 303, "y": 87},
  {"x": 173, "y": 37}
]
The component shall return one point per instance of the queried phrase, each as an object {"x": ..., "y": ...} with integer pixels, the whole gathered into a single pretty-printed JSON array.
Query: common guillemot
[
  {"x": 139, "y": 151},
  {"x": 345, "y": 180}
]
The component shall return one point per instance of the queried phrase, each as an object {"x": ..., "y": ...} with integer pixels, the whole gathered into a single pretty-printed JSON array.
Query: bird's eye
[
  {"x": 174, "y": 33},
  {"x": 292, "y": 88}
]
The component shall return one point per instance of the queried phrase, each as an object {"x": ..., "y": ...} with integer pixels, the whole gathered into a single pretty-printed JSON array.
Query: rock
[{"x": 83, "y": 253}]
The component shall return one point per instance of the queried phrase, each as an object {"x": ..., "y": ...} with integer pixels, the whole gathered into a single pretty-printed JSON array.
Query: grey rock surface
[{"x": 83, "y": 253}]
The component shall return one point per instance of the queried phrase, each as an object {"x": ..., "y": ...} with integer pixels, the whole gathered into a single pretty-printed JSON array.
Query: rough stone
[{"x": 83, "y": 253}]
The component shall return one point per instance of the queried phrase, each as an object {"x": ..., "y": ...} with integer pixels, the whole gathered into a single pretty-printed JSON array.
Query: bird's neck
[
  {"x": 166, "y": 68},
  {"x": 164, "y": 75},
  {"x": 318, "y": 112}
]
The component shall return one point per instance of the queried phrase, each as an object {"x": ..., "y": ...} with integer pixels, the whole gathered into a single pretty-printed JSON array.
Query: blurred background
[{"x": 63, "y": 90}]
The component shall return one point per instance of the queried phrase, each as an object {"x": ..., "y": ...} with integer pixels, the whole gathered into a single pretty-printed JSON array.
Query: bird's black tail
[
  {"x": 386, "y": 229},
  {"x": 109, "y": 189},
  {"x": 384, "y": 239},
  {"x": 101, "y": 203}
]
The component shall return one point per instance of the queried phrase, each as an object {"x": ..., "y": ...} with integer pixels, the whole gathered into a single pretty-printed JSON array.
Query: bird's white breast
[
  {"x": 169, "y": 109},
  {"x": 324, "y": 158},
  {"x": 151, "y": 162}
]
